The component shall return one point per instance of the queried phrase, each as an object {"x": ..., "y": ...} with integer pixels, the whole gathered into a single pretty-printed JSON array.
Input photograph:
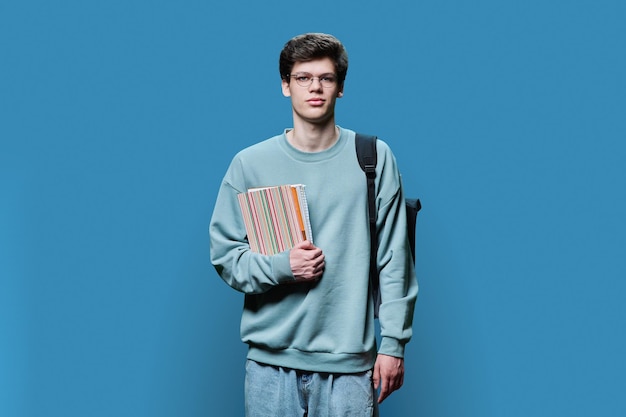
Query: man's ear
[
  {"x": 285, "y": 87},
  {"x": 340, "y": 92}
]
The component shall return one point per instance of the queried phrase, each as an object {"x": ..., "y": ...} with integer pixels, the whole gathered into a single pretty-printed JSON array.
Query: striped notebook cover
[{"x": 276, "y": 218}]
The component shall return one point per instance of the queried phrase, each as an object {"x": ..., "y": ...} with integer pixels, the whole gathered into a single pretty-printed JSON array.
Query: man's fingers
[
  {"x": 389, "y": 385},
  {"x": 384, "y": 390},
  {"x": 389, "y": 374},
  {"x": 306, "y": 261}
]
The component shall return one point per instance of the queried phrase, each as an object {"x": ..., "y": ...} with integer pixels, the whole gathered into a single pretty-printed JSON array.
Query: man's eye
[
  {"x": 328, "y": 78},
  {"x": 302, "y": 78}
]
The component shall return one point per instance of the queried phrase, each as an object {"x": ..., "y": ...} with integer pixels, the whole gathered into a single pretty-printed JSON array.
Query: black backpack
[{"x": 366, "y": 154}]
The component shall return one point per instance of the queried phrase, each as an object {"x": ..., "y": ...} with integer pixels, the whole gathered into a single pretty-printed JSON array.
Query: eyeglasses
[{"x": 304, "y": 79}]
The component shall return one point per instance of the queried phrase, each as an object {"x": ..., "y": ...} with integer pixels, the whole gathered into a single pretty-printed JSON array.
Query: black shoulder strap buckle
[{"x": 366, "y": 153}]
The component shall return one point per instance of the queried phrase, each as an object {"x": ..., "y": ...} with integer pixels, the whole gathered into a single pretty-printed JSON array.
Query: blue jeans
[{"x": 272, "y": 391}]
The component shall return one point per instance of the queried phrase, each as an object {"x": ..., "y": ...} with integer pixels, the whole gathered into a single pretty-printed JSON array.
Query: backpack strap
[{"x": 366, "y": 154}]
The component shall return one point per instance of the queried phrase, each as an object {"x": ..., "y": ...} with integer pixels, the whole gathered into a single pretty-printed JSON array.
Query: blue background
[{"x": 119, "y": 118}]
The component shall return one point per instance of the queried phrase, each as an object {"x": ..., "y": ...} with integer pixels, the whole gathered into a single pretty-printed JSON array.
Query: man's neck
[{"x": 313, "y": 138}]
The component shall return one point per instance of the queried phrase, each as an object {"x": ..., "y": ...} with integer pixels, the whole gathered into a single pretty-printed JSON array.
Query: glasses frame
[{"x": 333, "y": 83}]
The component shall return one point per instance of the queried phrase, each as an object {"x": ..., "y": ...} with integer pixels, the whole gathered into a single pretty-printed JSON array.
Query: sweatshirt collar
[{"x": 302, "y": 156}]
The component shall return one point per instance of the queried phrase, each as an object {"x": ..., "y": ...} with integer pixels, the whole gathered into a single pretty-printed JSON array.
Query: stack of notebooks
[{"x": 276, "y": 218}]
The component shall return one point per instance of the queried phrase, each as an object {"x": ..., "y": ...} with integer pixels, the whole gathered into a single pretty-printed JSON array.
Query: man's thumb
[
  {"x": 376, "y": 376},
  {"x": 305, "y": 244}
]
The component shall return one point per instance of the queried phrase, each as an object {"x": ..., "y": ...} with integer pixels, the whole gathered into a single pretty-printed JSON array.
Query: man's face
[{"x": 314, "y": 103}]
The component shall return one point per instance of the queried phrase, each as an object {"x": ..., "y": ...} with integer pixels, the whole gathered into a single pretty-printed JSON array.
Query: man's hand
[
  {"x": 388, "y": 375},
  {"x": 307, "y": 261}
]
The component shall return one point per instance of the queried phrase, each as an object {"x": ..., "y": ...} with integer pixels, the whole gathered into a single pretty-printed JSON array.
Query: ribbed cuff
[
  {"x": 391, "y": 347},
  {"x": 281, "y": 268}
]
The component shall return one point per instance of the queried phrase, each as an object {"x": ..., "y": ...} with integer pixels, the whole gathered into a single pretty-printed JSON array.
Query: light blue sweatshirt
[{"x": 327, "y": 326}]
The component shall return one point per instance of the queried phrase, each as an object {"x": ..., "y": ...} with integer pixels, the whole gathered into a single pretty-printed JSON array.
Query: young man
[{"x": 308, "y": 312}]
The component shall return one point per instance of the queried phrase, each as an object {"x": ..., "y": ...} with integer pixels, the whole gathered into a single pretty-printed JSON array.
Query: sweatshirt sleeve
[
  {"x": 398, "y": 283},
  {"x": 237, "y": 265}
]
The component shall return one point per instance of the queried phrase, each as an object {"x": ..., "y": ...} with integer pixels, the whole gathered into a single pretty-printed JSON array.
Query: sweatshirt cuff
[
  {"x": 391, "y": 347},
  {"x": 281, "y": 268}
]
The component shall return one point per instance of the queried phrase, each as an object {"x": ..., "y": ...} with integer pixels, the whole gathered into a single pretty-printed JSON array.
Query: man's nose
[{"x": 316, "y": 83}]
